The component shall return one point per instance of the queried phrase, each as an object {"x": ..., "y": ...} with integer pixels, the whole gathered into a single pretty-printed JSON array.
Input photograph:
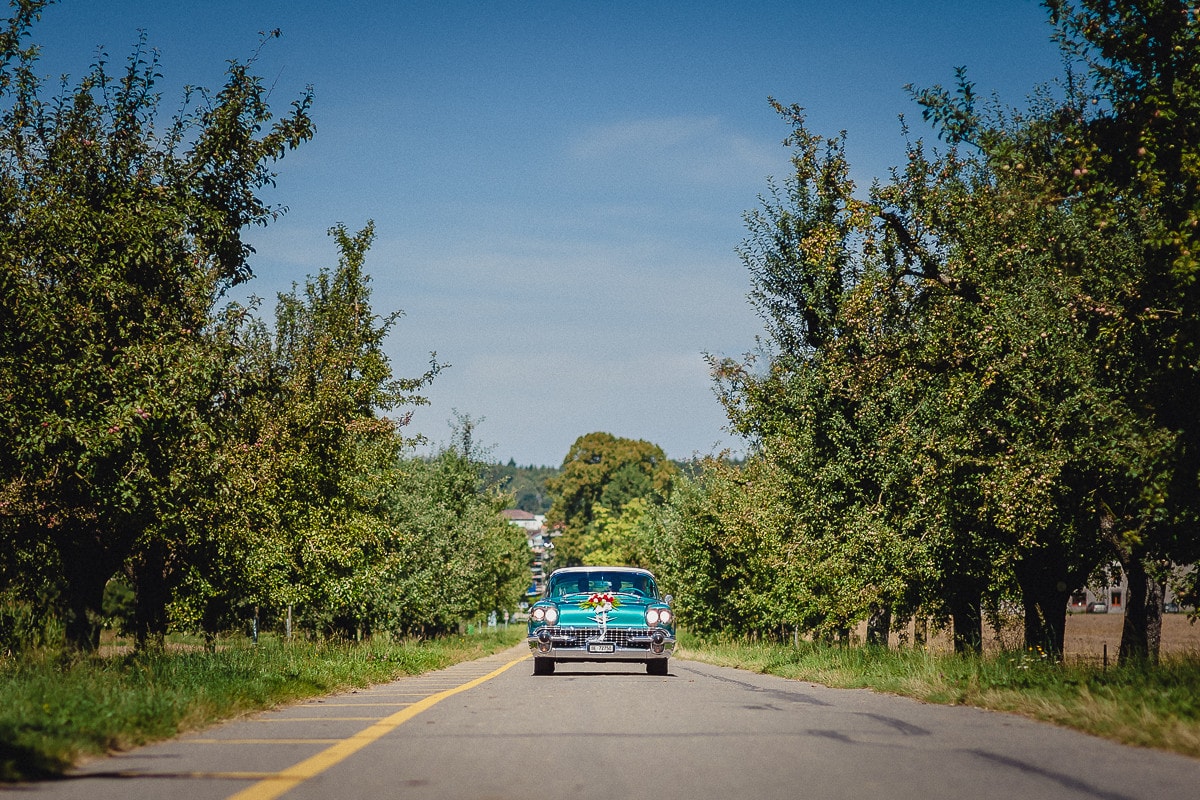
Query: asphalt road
[{"x": 490, "y": 729}]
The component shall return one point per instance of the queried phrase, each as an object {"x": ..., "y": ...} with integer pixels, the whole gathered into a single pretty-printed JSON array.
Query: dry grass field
[
  {"x": 1087, "y": 634},
  {"x": 1086, "y": 637}
]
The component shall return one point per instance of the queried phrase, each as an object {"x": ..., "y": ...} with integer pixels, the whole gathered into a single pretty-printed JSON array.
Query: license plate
[{"x": 602, "y": 647}]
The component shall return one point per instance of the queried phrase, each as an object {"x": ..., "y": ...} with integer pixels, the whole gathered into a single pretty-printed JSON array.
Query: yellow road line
[
  {"x": 315, "y": 719},
  {"x": 281, "y": 782},
  {"x": 432, "y": 684},
  {"x": 235, "y": 776},
  {"x": 442, "y": 681},
  {"x": 261, "y": 741},
  {"x": 352, "y": 705}
]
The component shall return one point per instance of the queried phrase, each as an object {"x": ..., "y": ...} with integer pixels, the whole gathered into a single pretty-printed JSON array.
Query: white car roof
[{"x": 571, "y": 570}]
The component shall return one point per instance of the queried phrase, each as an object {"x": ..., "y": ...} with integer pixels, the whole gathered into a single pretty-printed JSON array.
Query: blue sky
[{"x": 558, "y": 185}]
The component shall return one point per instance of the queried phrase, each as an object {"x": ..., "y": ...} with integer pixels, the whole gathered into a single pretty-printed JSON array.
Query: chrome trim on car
[
  {"x": 579, "y": 636},
  {"x": 569, "y": 642}
]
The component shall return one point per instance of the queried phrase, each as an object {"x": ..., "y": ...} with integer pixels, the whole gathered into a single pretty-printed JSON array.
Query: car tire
[
  {"x": 543, "y": 666},
  {"x": 656, "y": 667}
]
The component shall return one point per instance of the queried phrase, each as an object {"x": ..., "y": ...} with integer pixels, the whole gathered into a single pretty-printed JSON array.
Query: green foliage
[
  {"x": 625, "y": 539},
  {"x": 119, "y": 607},
  {"x": 1122, "y": 154},
  {"x": 719, "y": 547},
  {"x": 217, "y": 466},
  {"x": 456, "y": 557},
  {"x": 529, "y": 485},
  {"x": 330, "y": 518},
  {"x": 25, "y": 625},
  {"x": 319, "y": 453},
  {"x": 1142, "y": 151},
  {"x": 52, "y": 712},
  {"x": 602, "y": 470},
  {"x": 117, "y": 235},
  {"x": 972, "y": 391}
]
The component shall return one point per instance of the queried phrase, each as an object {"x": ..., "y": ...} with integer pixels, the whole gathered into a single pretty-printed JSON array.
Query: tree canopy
[
  {"x": 118, "y": 236},
  {"x": 978, "y": 386},
  {"x": 600, "y": 477},
  {"x": 218, "y": 466}
]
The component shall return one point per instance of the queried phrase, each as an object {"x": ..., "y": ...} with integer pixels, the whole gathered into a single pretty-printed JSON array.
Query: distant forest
[{"x": 527, "y": 485}]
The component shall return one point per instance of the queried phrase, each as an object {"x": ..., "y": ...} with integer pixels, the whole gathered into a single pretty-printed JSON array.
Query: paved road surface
[{"x": 490, "y": 729}]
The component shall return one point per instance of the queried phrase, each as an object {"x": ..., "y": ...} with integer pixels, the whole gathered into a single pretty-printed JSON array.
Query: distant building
[
  {"x": 1107, "y": 594},
  {"x": 524, "y": 519},
  {"x": 539, "y": 543}
]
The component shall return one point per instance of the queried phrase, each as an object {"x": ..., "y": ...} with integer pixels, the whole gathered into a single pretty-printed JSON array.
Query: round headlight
[
  {"x": 551, "y": 615},
  {"x": 538, "y": 613},
  {"x": 652, "y": 616},
  {"x": 664, "y": 616}
]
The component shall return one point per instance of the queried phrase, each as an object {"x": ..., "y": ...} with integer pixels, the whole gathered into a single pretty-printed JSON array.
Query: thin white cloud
[
  {"x": 692, "y": 150},
  {"x": 647, "y": 136},
  {"x": 550, "y": 393}
]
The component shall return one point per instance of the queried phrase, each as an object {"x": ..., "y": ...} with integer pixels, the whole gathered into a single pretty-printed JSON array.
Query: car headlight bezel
[{"x": 658, "y": 616}]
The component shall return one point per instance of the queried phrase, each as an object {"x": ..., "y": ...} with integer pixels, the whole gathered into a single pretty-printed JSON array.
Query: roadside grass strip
[
  {"x": 1140, "y": 704},
  {"x": 281, "y": 782},
  {"x": 57, "y": 708}
]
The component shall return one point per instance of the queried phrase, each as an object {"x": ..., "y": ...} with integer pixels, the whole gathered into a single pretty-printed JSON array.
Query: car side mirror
[{"x": 668, "y": 599}]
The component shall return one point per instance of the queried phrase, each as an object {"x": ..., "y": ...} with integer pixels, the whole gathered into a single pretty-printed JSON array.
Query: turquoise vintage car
[{"x": 601, "y": 614}]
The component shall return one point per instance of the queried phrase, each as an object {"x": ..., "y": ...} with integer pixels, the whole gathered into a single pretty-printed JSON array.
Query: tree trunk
[
  {"x": 967, "y": 616},
  {"x": 1044, "y": 595},
  {"x": 1154, "y": 612},
  {"x": 1141, "y": 634},
  {"x": 81, "y": 628},
  {"x": 152, "y": 593},
  {"x": 216, "y": 613},
  {"x": 1134, "y": 643},
  {"x": 879, "y": 624},
  {"x": 1046, "y": 620},
  {"x": 85, "y": 575}
]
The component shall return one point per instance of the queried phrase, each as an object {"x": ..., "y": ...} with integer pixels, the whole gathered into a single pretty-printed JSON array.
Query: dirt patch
[{"x": 112, "y": 645}]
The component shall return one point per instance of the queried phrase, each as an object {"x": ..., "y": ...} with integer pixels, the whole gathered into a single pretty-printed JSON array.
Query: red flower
[{"x": 600, "y": 602}]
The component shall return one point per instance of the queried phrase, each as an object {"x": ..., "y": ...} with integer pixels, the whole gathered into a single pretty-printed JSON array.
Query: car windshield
[{"x": 615, "y": 582}]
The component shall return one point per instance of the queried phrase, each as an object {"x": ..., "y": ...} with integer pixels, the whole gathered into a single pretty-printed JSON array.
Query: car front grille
[{"x": 579, "y": 637}]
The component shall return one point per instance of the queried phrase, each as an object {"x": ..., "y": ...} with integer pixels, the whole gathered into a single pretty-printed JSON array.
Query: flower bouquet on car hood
[{"x": 601, "y": 603}]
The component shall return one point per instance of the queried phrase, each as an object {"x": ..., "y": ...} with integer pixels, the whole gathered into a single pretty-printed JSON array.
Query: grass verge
[
  {"x": 1139, "y": 705},
  {"x": 55, "y": 709}
]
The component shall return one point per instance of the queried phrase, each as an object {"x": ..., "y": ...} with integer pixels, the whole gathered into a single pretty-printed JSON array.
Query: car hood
[{"x": 630, "y": 613}]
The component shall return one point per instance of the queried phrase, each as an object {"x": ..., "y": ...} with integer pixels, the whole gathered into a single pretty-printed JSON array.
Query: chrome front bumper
[{"x": 585, "y": 644}]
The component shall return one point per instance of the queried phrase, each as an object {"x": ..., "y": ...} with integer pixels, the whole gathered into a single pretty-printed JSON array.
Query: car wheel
[
  {"x": 543, "y": 666},
  {"x": 656, "y": 667}
]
